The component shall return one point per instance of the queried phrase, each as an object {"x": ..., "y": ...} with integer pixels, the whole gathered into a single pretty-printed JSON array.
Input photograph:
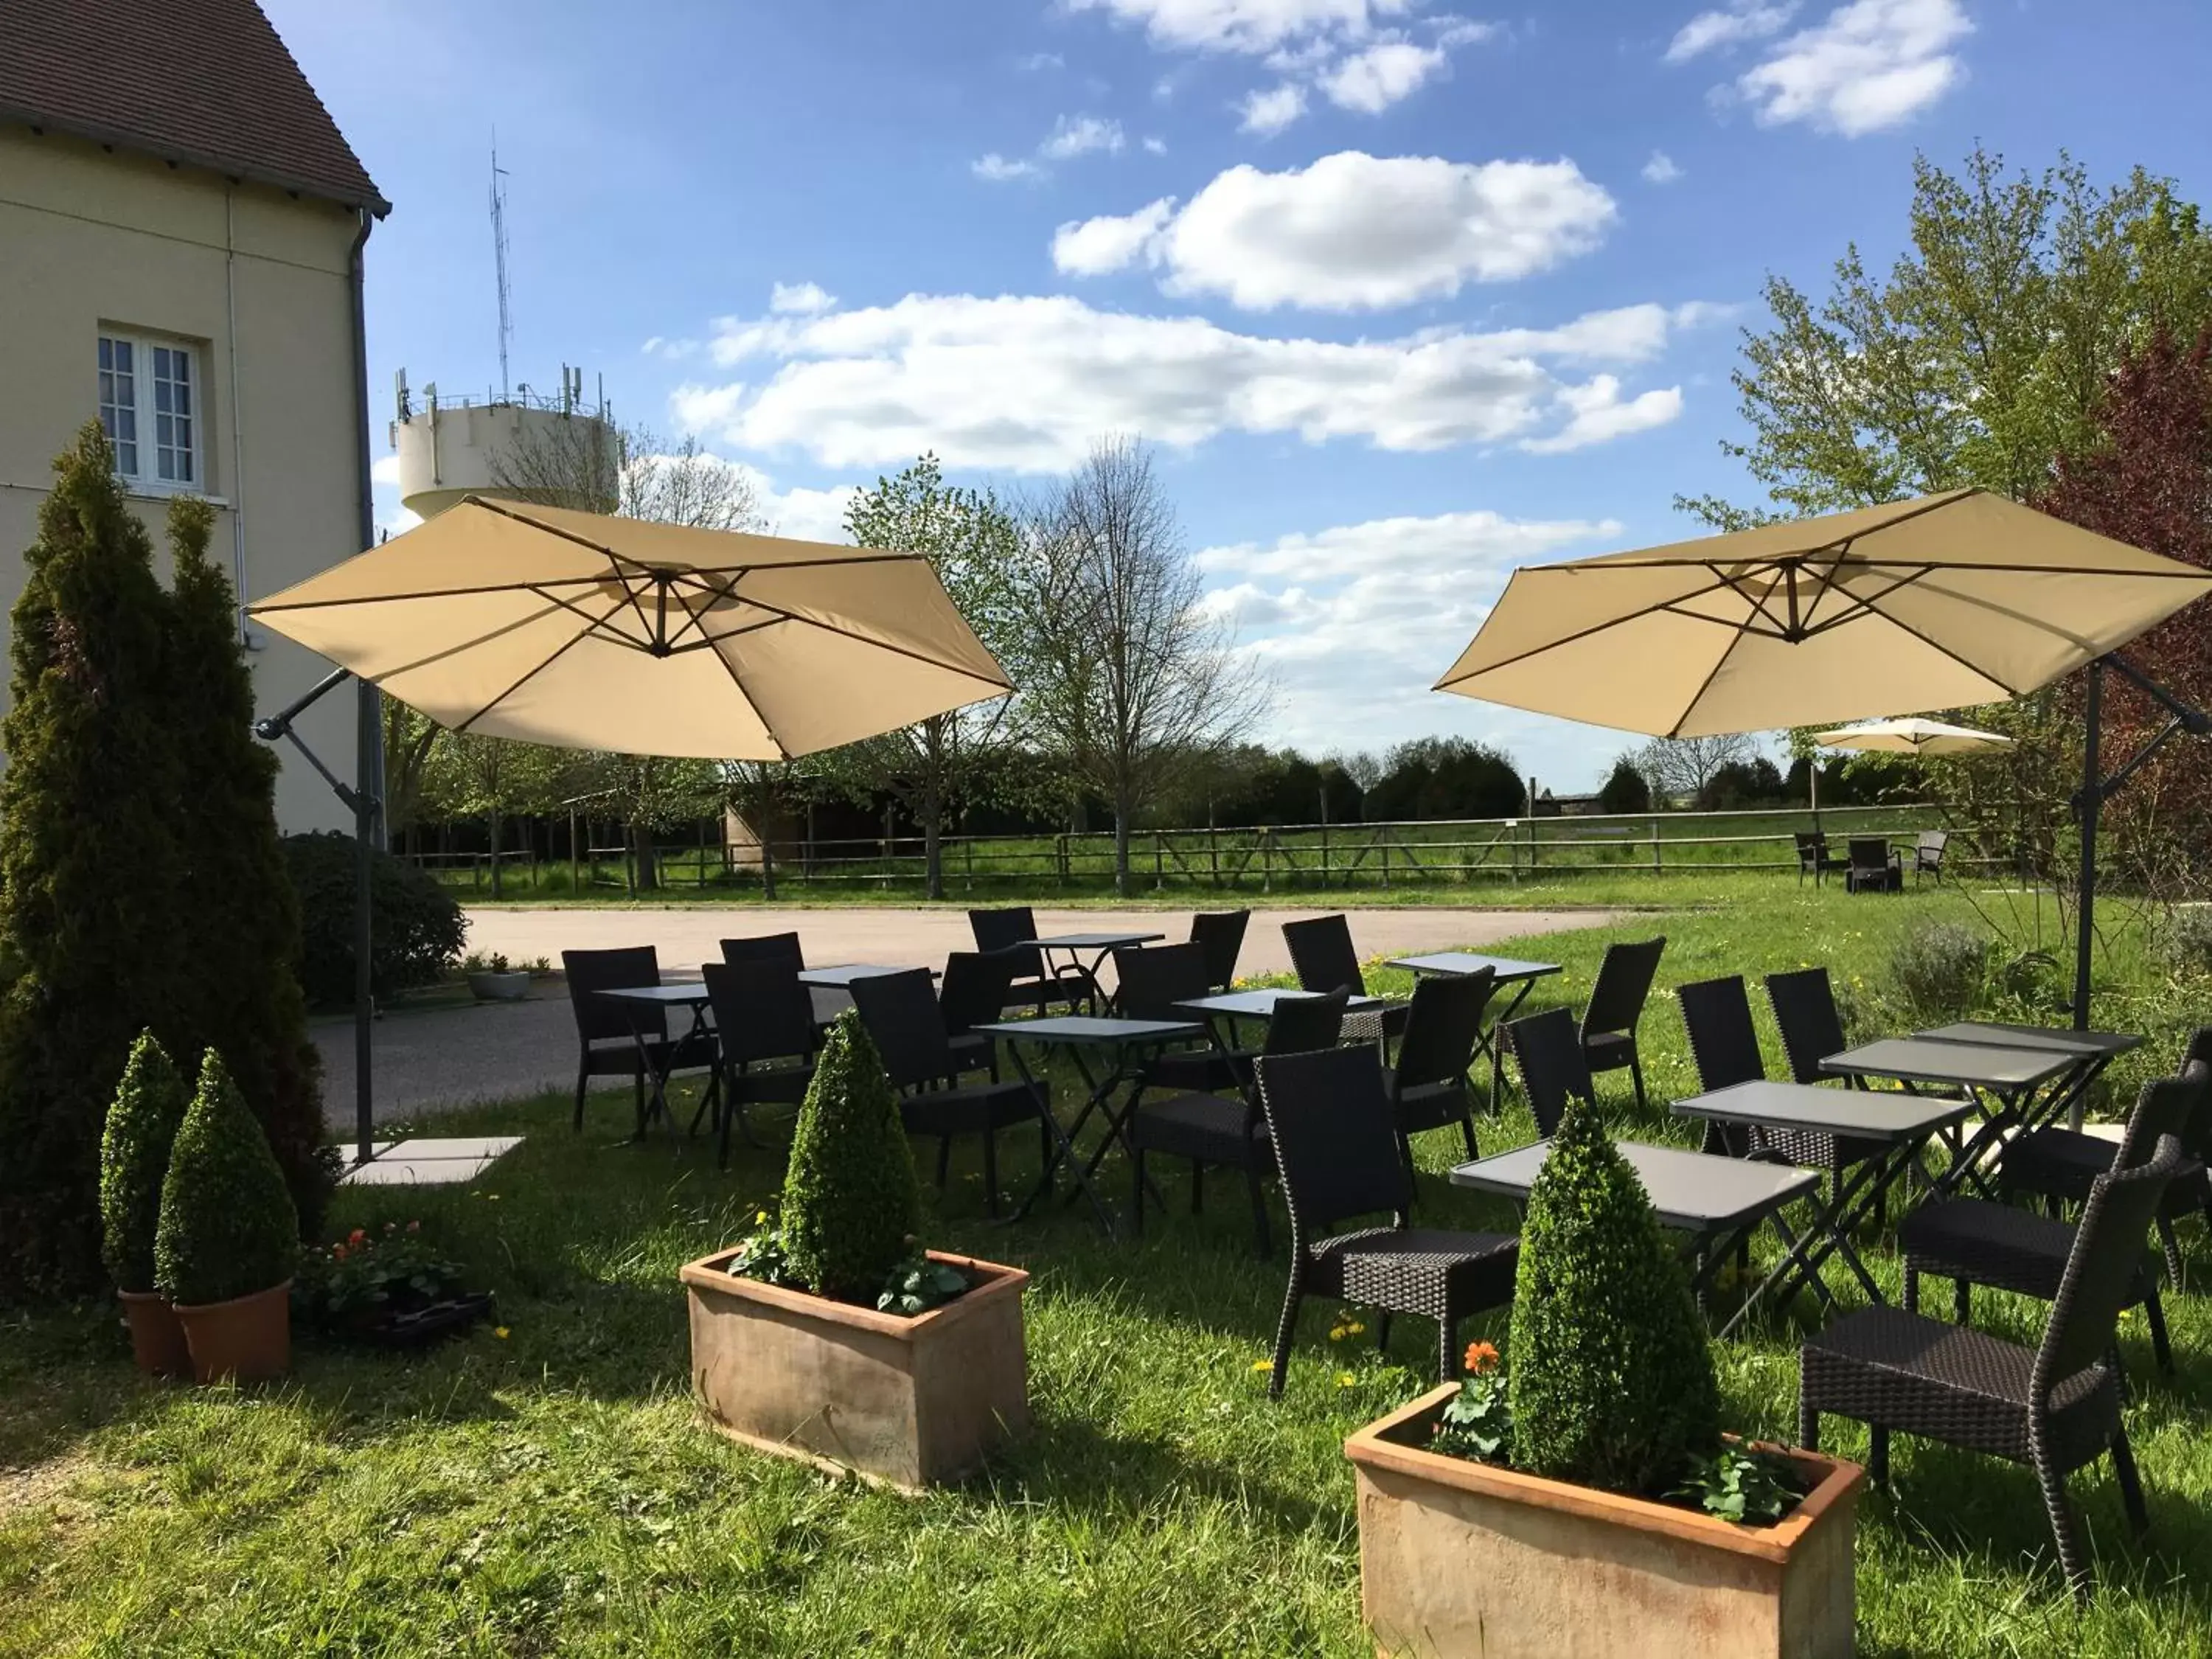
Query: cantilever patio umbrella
[
  {"x": 1912, "y": 736},
  {"x": 586, "y": 631},
  {"x": 1940, "y": 603}
]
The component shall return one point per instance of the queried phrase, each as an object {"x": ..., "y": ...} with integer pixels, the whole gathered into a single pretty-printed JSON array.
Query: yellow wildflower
[
  {"x": 1263, "y": 1364},
  {"x": 1346, "y": 1380},
  {"x": 499, "y": 1331}
]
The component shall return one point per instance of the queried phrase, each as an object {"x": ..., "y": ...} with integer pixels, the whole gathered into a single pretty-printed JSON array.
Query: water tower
[{"x": 559, "y": 451}]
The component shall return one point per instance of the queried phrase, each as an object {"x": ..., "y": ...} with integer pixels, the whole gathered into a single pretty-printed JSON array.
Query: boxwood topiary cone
[
  {"x": 851, "y": 1203},
  {"x": 134, "y": 1161},
  {"x": 1612, "y": 1381},
  {"x": 227, "y": 1226}
]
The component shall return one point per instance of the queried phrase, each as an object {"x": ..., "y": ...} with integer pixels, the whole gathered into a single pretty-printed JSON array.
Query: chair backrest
[
  {"x": 766, "y": 947},
  {"x": 900, "y": 1011},
  {"x": 1811, "y": 1028},
  {"x": 1299, "y": 1025},
  {"x": 1624, "y": 981},
  {"x": 1222, "y": 933},
  {"x": 1335, "y": 1145},
  {"x": 974, "y": 992},
  {"x": 761, "y": 1010},
  {"x": 1150, "y": 980},
  {"x": 1931, "y": 846},
  {"x": 1443, "y": 1028},
  {"x": 2102, "y": 1269},
  {"x": 1322, "y": 953},
  {"x": 1869, "y": 852},
  {"x": 1812, "y": 847},
  {"x": 1010, "y": 929},
  {"x": 2164, "y": 1107},
  {"x": 1722, "y": 1040},
  {"x": 2196, "y": 1135},
  {"x": 590, "y": 972},
  {"x": 1553, "y": 1065}
]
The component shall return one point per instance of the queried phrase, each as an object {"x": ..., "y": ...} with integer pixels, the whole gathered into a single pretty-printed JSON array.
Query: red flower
[
  {"x": 357, "y": 1236},
  {"x": 1481, "y": 1357},
  {"x": 414, "y": 1226}
]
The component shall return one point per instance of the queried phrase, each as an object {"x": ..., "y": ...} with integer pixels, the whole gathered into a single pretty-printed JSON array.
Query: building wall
[{"x": 90, "y": 238}]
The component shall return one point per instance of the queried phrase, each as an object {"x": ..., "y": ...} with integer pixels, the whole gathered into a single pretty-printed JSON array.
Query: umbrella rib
[
  {"x": 1653, "y": 608},
  {"x": 782, "y": 615},
  {"x": 752, "y": 702}
]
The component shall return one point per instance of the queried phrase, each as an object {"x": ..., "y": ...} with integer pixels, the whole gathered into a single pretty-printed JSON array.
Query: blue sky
[{"x": 1404, "y": 294}]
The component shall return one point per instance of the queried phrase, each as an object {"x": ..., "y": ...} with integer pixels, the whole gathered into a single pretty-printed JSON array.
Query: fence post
[
  {"x": 1266, "y": 861},
  {"x": 702, "y": 854},
  {"x": 575, "y": 863},
  {"x": 968, "y": 859},
  {"x": 1383, "y": 844},
  {"x": 1059, "y": 855},
  {"x": 1159, "y": 866},
  {"x": 1655, "y": 845},
  {"x": 1324, "y": 850},
  {"x": 1213, "y": 851}
]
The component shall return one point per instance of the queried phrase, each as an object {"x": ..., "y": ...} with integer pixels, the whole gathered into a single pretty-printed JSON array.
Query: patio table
[
  {"x": 1716, "y": 1203},
  {"x": 1080, "y": 1037},
  {"x": 1101, "y": 945},
  {"x": 1901, "y": 1123},
  {"x": 2008, "y": 1086},
  {"x": 634, "y": 1001},
  {"x": 1227, "y": 1007},
  {"x": 1508, "y": 970},
  {"x": 840, "y": 978},
  {"x": 2092, "y": 1052}
]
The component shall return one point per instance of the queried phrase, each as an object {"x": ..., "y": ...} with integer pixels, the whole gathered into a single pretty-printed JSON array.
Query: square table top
[
  {"x": 1093, "y": 1029},
  {"x": 1095, "y": 941},
  {"x": 683, "y": 994},
  {"x": 2087, "y": 1045},
  {"x": 1507, "y": 969},
  {"x": 1692, "y": 1192},
  {"x": 1861, "y": 1114},
  {"x": 1972, "y": 1064},
  {"x": 837, "y": 978},
  {"x": 1260, "y": 1004}
]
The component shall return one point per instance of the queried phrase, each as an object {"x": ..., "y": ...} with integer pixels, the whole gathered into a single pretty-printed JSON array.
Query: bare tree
[
  {"x": 1127, "y": 676},
  {"x": 1678, "y": 769}
]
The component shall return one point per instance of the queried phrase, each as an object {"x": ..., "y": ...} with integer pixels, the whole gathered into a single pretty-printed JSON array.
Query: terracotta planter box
[
  {"x": 909, "y": 1401},
  {"x": 1458, "y": 1558},
  {"x": 248, "y": 1337},
  {"x": 157, "y": 1336}
]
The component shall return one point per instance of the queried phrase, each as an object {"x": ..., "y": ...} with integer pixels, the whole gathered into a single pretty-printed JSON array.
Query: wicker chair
[
  {"x": 764, "y": 1023},
  {"x": 1153, "y": 982},
  {"x": 607, "y": 1035},
  {"x": 1724, "y": 1047},
  {"x": 1323, "y": 956},
  {"x": 1616, "y": 1005},
  {"x": 1228, "y": 1132},
  {"x": 1928, "y": 856},
  {"x": 1872, "y": 866},
  {"x": 900, "y": 1011},
  {"x": 2054, "y": 1407},
  {"x": 1222, "y": 934},
  {"x": 827, "y": 1003},
  {"x": 1428, "y": 1087},
  {"x": 1553, "y": 1067},
  {"x": 1013, "y": 930},
  {"x": 1330, "y": 1123},
  {"x": 973, "y": 992},
  {"x": 1814, "y": 858},
  {"x": 1804, "y": 1005}
]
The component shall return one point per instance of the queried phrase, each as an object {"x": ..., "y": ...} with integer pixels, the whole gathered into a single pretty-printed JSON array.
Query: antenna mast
[{"x": 498, "y": 259}]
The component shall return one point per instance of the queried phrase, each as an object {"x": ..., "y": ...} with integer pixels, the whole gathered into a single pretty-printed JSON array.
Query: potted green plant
[
  {"x": 1588, "y": 1503},
  {"x": 134, "y": 1157},
  {"x": 827, "y": 1334},
  {"x": 228, "y": 1237},
  {"x": 494, "y": 979},
  {"x": 389, "y": 1289}
]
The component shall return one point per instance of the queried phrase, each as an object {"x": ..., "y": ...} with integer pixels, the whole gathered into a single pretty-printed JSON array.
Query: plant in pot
[
  {"x": 228, "y": 1238},
  {"x": 827, "y": 1334},
  {"x": 391, "y": 1288},
  {"x": 134, "y": 1158},
  {"x": 494, "y": 979},
  {"x": 1585, "y": 1500}
]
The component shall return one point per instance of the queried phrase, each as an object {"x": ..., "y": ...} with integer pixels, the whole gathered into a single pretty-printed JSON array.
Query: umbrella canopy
[
  {"x": 1940, "y": 603},
  {"x": 1912, "y": 737},
  {"x": 586, "y": 631}
]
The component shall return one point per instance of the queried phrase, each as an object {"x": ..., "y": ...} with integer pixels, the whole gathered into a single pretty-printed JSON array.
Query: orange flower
[
  {"x": 1481, "y": 1357},
  {"x": 356, "y": 1237}
]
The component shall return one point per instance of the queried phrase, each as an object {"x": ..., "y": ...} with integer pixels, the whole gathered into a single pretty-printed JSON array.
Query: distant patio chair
[
  {"x": 607, "y": 1036},
  {"x": 1222, "y": 933},
  {"x": 1814, "y": 858},
  {"x": 1928, "y": 856},
  {"x": 1553, "y": 1065},
  {"x": 1322, "y": 954},
  {"x": 764, "y": 1024},
  {"x": 1616, "y": 1006},
  {"x": 1874, "y": 866},
  {"x": 1013, "y": 928}
]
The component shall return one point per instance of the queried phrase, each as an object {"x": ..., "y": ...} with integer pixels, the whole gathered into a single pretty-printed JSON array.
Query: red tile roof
[{"x": 203, "y": 82}]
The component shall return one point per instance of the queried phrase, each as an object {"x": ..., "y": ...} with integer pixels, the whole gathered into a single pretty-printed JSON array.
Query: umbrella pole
[{"x": 2092, "y": 800}]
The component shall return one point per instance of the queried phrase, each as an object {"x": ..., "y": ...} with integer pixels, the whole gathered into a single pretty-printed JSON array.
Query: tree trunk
[
  {"x": 647, "y": 859},
  {"x": 1122, "y": 841},
  {"x": 933, "y": 845},
  {"x": 491, "y": 829},
  {"x": 766, "y": 839}
]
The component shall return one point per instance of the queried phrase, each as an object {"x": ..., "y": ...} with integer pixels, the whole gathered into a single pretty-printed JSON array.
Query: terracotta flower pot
[
  {"x": 157, "y": 1336},
  {"x": 248, "y": 1337}
]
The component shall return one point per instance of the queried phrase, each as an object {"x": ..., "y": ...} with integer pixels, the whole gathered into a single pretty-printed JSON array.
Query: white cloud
[
  {"x": 1870, "y": 65},
  {"x": 1598, "y": 415},
  {"x": 1252, "y": 27},
  {"x": 1742, "y": 20},
  {"x": 800, "y": 299},
  {"x": 809, "y": 515},
  {"x": 1372, "y": 81},
  {"x": 385, "y": 470},
  {"x": 1268, "y": 112},
  {"x": 1661, "y": 169},
  {"x": 1080, "y": 135},
  {"x": 998, "y": 170},
  {"x": 1037, "y": 61},
  {"x": 1027, "y": 383},
  {"x": 1156, "y": 146},
  {"x": 1354, "y": 231}
]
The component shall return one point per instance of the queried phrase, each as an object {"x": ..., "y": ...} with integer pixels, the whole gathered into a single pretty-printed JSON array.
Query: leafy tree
[
  {"x": 134, "y": 1161},
  {"x": 1754, "y": 782},
  {"x": 1679, "y": 770},
  {"x": 649, "y": 795},
  {"x": 851, "y": 1203},
  {"x": 227, "y": 1227},
  {"x": 493, "y": 778},
  {"x": 1624, "y": 790},
  {"x": 1445, "y": 778}
]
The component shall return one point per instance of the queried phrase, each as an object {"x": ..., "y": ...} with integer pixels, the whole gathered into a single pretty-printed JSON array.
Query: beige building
[{"x": 181, "y": 232}]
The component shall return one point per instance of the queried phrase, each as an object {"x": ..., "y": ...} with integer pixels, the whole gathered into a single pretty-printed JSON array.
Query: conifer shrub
[
  {"x": 134, "y": 1161},
  {"x": 227, "y": 1226},
  {"x": 851, "y": 1203},
  {"x": 1611, "y": 1382}
]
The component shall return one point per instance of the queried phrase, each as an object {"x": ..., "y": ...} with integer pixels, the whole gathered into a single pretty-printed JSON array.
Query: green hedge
[{"x": 417, "y": 927}]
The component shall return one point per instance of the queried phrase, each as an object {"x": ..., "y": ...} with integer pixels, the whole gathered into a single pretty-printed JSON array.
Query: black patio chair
[
  {"x": 1724, "y": 1048},
  {"x": 1428, "y": 1086},
  {"x": 1013, "y": 930},
  {"x": 900, "y": 1011},
  {"x": 766, "y": 947},
  {"x": 765, "y": 1030},
  {"x": 1222, "y": 933},
  {"x": 2054, "y": 1407},
  {"x": 1152, "y": 981},
  {"x": 973, "y": 992},
  {"x": 1229, "y": 1131},
  {"x": 1616, "y": 1005},
  {"x": 1330, "y": 1122},
  {"x": 1974, "y": 1241},
  {"x": 1322, "y": 955},
  {"x": 1814, "y": 858},
  {"x": 1872, "y": 866},
  {"x": 606, "y": 1033},
  {"x": 1811, "y": 1028},
  {"x": 1553, "y": 1067},
  {"x": 1928, "y": 856}
]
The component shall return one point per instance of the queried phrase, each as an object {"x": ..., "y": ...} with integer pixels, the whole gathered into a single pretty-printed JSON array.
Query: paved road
[{"x": 445, "y": 1057}]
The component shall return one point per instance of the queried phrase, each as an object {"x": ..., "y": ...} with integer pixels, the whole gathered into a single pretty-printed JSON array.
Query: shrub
[
  {"x": 1938, "y": 969},
  {"x": 1625, "y": 789},
  {"x": 2185, "y": 939},
  {"x": 134, "y": 1160},
  {"x": 1611, "y": 1382},
  {"x": 227, "y": 1225},
  {"x": 417, "y": 928},
  {"x": 851, "y": 1205}
]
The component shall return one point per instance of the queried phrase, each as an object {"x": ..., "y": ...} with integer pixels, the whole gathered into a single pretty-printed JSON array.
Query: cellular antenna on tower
[{"x": 499, "y": 259}]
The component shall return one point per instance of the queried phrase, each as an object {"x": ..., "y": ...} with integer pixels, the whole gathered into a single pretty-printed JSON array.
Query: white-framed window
[{"x": 149, "y": 403}]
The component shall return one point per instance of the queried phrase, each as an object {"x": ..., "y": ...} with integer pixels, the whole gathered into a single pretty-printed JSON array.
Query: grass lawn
[{"x": 551, "y": 1488}]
